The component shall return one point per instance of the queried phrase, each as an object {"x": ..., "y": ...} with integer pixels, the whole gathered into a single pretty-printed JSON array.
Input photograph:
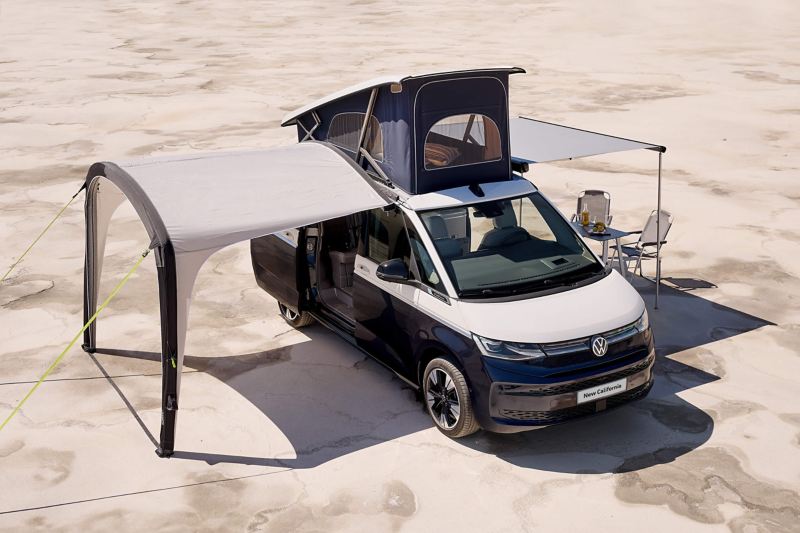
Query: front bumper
[{"x": 516, "y": 404}]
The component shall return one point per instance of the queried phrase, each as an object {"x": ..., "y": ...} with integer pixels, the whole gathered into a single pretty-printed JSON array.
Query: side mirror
[{"x": 394, "y": 270}]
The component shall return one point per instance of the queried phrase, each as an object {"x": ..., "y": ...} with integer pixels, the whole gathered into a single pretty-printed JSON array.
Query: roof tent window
[
  {"x": 344, "y": 130},
  {"x": 460, "y": 140}
]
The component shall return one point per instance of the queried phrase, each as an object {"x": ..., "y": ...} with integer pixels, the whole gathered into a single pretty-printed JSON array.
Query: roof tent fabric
[
  {"x": 440, "y": 98},
  {"x": 535, "y": 141},
  {"x": 390, "y": 111},
  {"x": 192, "y": 206}
]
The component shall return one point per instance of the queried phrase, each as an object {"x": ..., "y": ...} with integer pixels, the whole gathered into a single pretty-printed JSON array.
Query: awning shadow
[
  {"x": 340, "y": 404},
  {"x": 329, "y": 400}
]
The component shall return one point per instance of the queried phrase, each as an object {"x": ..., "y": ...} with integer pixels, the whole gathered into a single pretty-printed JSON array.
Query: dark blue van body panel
[{"x": 507, "y": 396}]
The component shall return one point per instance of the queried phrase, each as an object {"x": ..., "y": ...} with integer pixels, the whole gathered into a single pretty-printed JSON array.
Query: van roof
[
  {"x": 289, "y": 118},
  {"x": 459, "y": 196}
]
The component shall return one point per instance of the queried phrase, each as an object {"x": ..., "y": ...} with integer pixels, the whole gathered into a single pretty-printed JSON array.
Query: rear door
[{"x": 280, "y": 266}]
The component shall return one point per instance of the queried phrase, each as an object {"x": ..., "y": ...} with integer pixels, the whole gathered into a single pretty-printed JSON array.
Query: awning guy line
[
  {"x": 47, "y": 227},
  {"x": 58, "y": 359}
]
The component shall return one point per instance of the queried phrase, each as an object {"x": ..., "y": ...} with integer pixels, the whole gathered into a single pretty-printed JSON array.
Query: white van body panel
[
  {"x": 596, "y": 308},
  {"x": 462, "y": 196}
]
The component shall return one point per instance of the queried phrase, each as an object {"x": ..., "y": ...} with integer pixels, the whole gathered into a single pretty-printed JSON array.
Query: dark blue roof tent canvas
[{"x": 425, "y": 133}]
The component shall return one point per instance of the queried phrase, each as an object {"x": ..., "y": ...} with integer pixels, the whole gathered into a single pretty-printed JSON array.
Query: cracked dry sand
[{"x": 295, "y": 431}]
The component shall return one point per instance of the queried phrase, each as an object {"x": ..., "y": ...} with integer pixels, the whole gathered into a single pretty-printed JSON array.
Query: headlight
[
  {"x": 512, "y": 351},
  {"x": 643, "y": 323}
]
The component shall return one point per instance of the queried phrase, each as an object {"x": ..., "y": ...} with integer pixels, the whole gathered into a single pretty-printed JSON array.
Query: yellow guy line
[
  {"x": 75, "y": 339},
  {"x": 40, "y": 235}
]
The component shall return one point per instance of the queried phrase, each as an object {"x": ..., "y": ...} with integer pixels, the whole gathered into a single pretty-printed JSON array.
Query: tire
[
  {"x": 295, "y": 319},
  {"x": 443, "y": 381}
]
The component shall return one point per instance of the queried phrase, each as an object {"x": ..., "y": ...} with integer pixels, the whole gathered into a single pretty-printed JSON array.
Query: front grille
[
  {"x": 561, "y": 415},
  {"x": 561, "y": 388},
  {"x": 578, "y": 345}
]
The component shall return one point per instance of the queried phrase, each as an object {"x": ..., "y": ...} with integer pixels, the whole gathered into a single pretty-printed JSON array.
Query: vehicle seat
[
  {"x": 506, "y": 231},
  {"x": 447, "y": 246},
  {"x": 342, "y": 267}
]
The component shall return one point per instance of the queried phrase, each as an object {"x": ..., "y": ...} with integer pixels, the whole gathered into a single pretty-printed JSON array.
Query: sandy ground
[{"x": 287, "y": 431}]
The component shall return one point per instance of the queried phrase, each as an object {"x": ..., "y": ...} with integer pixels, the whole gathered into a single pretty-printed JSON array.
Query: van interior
[{"x": 336, "y": 264}]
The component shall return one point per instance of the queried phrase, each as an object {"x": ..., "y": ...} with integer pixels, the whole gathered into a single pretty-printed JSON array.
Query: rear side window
[
  {"x": 344, "y": 130},
  {"x": 460, "y": 140}
]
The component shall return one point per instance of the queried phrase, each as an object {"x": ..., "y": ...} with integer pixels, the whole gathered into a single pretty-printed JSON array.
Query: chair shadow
[
  {"x": 330, "y": 409},
  {"x": 688, "y": 284}
]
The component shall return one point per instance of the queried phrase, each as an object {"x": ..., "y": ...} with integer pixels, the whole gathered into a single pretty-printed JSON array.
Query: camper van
[{"x": 470, "y": 285}]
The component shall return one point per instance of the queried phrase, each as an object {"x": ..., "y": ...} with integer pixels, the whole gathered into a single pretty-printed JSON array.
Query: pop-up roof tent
[
  {"x": 403, "y": 111},
  {"x": 195, "y": 205}
]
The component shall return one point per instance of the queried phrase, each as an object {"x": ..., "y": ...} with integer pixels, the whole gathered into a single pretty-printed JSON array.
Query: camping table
[{"x": 608, "y": 235}]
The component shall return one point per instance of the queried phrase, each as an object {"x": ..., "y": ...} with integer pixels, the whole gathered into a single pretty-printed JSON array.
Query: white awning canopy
[
  {"x": 209, "y": 201},
  {"x": 534, "y": 141}
]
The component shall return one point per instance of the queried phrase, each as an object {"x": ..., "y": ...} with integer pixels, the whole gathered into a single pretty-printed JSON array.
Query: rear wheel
[
  {"x": 447, "y": 399},
  {"x": 295, "y": 319}
]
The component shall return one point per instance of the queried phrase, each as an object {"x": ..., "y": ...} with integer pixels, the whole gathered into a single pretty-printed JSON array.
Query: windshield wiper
[
  {"x": 487, "y": 292},
  {"x": 571, "y": 279},
  {"x": 577, "y": 276},
  {"x": 505, "y": 291}
]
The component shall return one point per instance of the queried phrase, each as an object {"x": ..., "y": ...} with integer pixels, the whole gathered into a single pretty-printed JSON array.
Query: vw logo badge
[{"x": 599, "y": 345}]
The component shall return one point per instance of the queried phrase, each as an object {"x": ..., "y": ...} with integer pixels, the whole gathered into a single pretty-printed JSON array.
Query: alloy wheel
[
  {"x": 442, "y": 398},
  {"x": 288, "y": 313}
]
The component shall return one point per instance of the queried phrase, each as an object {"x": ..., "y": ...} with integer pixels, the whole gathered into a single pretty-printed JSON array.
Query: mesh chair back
[
  {"x": 648, "y": 237},
  {"x": 598, "y": 203}
]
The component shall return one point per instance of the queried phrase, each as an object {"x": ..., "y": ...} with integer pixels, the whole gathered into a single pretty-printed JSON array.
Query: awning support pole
[
  {"x": 658, "y": 232},
  {"x": 168, "y": 299}
]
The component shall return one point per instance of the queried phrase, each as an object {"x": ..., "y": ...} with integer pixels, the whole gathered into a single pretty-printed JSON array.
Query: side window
[
  {"x": 386, "y": 236},
  {"x": 423, "y": 259},
  {"x": 462, "y": 140},
  {"x": 344, "y": 131}
]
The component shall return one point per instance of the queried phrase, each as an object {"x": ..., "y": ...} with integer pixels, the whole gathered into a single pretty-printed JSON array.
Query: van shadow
[
  {"x": 655, "y": 430},
  {"x": 329, "y": 400}
]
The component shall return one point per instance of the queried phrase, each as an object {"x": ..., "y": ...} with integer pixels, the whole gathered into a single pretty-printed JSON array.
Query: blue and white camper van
[{"x": 470, "y": 285}]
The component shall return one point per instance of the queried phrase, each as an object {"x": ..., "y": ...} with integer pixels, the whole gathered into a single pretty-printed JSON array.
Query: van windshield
[{"x": 510, "y": 246}]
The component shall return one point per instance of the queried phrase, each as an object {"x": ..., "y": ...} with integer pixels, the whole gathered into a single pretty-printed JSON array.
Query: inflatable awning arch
[{"x": 192, "y": 206}]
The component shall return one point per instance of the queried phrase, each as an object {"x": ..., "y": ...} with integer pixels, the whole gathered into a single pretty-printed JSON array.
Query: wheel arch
[{"x": 431, "y": 351}]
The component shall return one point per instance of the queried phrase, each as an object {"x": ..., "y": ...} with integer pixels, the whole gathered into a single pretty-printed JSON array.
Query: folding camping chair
[
  {"x": 598, "y": 203},
  {"x": 646, "y": 246}
]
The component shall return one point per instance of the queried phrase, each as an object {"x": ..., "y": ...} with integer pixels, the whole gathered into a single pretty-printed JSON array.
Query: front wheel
[
  {"x": 447, "y": 399},
  {"x": 295, "y": 319}
]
